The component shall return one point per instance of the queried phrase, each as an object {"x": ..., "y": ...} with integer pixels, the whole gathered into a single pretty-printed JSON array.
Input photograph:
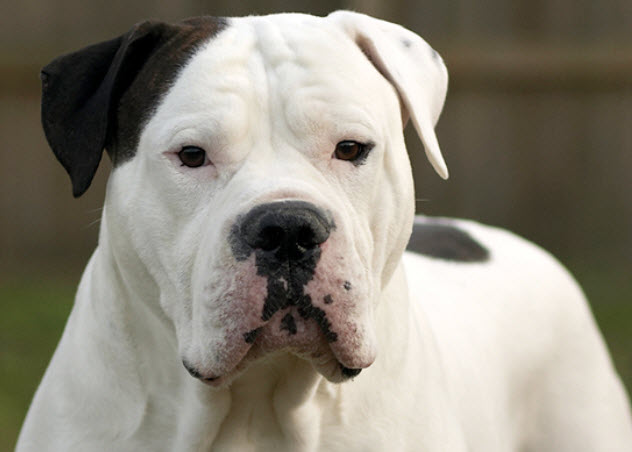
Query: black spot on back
[{"x": 446, "y": 242}]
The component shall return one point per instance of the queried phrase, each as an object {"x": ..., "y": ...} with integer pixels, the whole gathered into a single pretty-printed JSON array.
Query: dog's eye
[
  {"x": 192, "y": 156},
  {"x": 352, "y": 151}
]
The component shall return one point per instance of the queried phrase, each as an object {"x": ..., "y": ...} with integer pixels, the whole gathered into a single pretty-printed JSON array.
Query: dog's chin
[
  {"x": 329, "y": 367},
  {"x": 269, "y": 348}
]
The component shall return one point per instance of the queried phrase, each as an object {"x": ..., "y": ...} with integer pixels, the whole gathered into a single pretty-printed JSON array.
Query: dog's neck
[{"x": 277, "y": 394}]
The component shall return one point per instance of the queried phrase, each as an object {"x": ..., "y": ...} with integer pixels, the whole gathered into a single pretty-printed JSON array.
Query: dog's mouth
[
  {"x": 308, "y": 335},
  {"x": 325, "y": 321}
]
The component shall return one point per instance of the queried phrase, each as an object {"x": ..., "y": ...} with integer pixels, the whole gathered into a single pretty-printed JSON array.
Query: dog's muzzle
[
  {"x": 293, "y": 292},
  {"x": 285, "y": 237}
]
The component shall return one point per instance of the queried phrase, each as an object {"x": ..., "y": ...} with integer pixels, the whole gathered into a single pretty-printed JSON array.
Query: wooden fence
[{"x": 537, "y": 129}]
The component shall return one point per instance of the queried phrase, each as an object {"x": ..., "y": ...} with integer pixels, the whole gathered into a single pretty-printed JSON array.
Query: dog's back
[{"x": 518, "y": 341}]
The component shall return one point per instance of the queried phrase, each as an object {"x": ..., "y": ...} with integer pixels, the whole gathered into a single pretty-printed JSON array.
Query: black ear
[{"x": 80, "y": 93}]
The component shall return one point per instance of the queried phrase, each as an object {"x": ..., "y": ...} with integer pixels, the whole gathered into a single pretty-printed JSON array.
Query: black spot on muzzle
[{"x": 285, "y": 238}]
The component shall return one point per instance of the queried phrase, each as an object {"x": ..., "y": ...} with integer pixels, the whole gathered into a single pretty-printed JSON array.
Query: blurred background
[{"x": 536, "y": 131}]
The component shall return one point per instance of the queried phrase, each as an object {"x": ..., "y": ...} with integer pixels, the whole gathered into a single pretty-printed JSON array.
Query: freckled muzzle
[
  {"x": 285, "y": 237},
  {"x": 295, "y": 293}
]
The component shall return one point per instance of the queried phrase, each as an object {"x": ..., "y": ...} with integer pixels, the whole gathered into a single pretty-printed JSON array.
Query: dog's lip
[
  {"x": 325, "y": 363},
  {"x": 252, "y": 339},
  {"x": 196, "y": 374}
]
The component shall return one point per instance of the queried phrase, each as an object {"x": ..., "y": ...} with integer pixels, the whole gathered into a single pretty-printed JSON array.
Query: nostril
[
  {"x": 270, "y": 238},
  {"x": 305, "y": 238}
]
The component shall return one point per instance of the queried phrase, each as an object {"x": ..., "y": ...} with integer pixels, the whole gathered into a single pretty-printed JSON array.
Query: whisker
[{"x": 92, "y": 223}]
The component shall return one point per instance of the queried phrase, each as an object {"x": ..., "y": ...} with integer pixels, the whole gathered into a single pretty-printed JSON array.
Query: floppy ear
[
  {"x": 416, "y": 71},
  {"x": 80, "y": 93}
]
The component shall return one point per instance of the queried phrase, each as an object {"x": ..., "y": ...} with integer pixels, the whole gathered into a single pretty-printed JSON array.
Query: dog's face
[{"x": 266, "y": 190}]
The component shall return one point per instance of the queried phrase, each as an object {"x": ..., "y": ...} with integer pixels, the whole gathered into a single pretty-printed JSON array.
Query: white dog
[{"x": 251, "y": 260}]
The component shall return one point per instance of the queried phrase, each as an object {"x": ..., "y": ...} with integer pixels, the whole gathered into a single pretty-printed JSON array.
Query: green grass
[
  {"x": 33, "y": 317},
  {"x": 610, "y": 293},
  {"x": 34, "y": 314}
]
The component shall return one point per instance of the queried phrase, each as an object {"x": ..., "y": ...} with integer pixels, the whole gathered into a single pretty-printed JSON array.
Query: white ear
[{"x": 411, "y": 65}]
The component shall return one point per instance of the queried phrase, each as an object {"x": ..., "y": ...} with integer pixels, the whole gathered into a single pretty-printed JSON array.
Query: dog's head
[{"x": 261, "y": 182}]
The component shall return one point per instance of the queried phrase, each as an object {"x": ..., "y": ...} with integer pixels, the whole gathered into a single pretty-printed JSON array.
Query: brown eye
[
  {"x": 192, "y": 156},
  {"x": 352, "y": 151}
]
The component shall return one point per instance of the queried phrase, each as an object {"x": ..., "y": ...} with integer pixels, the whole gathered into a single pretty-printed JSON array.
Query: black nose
[{"x": 287, "y": 229}]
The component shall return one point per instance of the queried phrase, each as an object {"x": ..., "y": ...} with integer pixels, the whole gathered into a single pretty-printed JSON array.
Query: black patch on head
[
  {"x": 288, "y": 324},
  {"x": 101, "y": 96},
  {"x": 347, "y": 285},
  {"x": 349, "y": 373},
  {"x": 138, "y": 104},
  {"x": 287, "y": 258},
  {"x": 446, "y": 242},
  {"x": 328, "y": 299}
]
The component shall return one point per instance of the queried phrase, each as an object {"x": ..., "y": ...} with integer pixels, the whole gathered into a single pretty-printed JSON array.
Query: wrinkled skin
[{"x": 214, "y": 299}]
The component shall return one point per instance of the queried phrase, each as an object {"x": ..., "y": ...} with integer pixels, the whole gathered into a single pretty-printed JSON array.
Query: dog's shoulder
[
  {"x": 446, "y": 239},
  {"x": 464, "y": 262},
  {"x": 460, "y": 241}
]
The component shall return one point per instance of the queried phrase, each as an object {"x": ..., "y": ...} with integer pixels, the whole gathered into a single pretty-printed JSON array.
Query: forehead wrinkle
[
  {"x": 272, "y": 43},
  {"x": 306, "y": 68},
  {"x": 320, "y": 111},
  {"x": 327, "y": 98},
  {"x": 275, "y": 64},
  {"x": 214, "y": 91},
  {"x": 279, "y": 82}
]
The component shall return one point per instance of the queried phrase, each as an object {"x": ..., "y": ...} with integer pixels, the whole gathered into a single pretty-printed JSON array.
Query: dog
[{"x": 251, "y": 291}]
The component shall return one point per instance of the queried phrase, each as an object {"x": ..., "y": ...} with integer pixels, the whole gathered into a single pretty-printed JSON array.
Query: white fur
[{"x": 495, "y": 356}]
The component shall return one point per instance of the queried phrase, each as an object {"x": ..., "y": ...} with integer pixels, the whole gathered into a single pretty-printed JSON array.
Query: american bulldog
[{"x": 250, "y": 289}]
